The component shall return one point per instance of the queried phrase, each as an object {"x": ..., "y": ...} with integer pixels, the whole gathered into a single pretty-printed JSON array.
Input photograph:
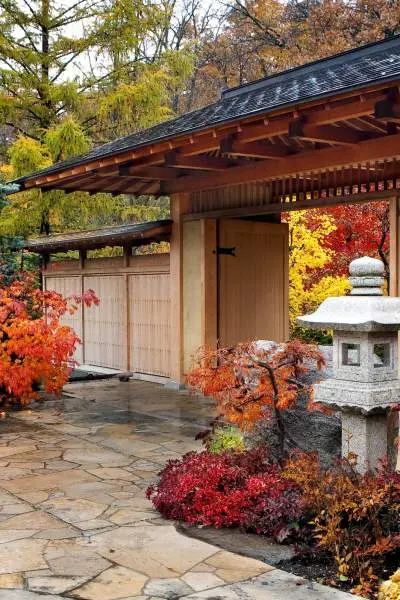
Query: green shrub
[
  {"x": 312, "y": 336},
  {"x": 225, "y": 438}
]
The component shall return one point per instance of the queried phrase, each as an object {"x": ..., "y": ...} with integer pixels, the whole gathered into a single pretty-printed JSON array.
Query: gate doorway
[{"x": 253, "y": 293}]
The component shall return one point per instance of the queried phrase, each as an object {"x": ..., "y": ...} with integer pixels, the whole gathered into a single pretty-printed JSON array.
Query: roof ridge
[{"x": 245, "y": 87}]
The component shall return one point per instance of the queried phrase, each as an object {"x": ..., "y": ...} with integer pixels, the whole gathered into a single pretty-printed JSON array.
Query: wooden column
[
  {"x": 179, "y": 206},
  {"x": 394, "y": 218},
  {"x": 82, "y": 263},
  {"x": 199, "y": 267},
  {"x": 209, "y": 283},
  {"x": 394, "y": 258}
]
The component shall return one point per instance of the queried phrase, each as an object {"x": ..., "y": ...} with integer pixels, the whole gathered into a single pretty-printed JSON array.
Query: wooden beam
[
  {"x": 342, "y": 112},
  {"x": 206, "y": 143},
  {"x": 308, "y": 161},
  {"x": 179, "y": 205},
  {"x": 99, "y": 184},
  {"x": 230, "y": 145},
  {"x": 69, "y": 181},
  {"x": 320, "y": 116},
  {"x": 394, "y": 254},
  {"x": 148, "y": 188},
  {"x": 202, "y": 163},
  {"x": 388, "y": 111},
  {"x": 160, "y": 173},
  {"x": 278, "y": 207},
  {"x": 330, "y": 134}
]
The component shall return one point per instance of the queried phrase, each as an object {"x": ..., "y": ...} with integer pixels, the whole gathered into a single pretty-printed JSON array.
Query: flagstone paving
[{"x": 74, "y": 520}]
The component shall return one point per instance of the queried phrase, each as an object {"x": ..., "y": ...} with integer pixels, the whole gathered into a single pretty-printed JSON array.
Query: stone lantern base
[
  {"x": 365, "y": 396},
  {"x": 365, "y": 436},
  {"x": 364, "y": 408}
]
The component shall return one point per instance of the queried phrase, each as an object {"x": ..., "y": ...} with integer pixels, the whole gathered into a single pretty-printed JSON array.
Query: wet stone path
[{"x": 74, "y": 520}]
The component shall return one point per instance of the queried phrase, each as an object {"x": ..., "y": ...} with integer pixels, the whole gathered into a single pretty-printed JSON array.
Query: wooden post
[
  {"x": 394, "y": 258},
  {"x": 394, "y": 265},
  {"x": 82, "y": 261},
  {"x": 128, "y": 320},
  {"x": 209, "y": 283},
  {"x": 199, "y": 268},
  {"x": 127, "y": 255},
  {"x": 82, "y": 258},
  {"x": 179, "y": 206}
]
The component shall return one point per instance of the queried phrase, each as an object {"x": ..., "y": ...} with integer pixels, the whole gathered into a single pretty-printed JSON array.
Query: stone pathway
[{"x": 74, "y": 520}]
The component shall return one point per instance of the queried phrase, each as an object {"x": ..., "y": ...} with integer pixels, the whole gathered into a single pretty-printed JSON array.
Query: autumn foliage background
[{"x": 322, "y": 243}]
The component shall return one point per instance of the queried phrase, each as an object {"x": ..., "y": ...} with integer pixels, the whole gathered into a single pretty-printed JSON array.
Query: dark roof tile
[{"x": 117, "y": 235}]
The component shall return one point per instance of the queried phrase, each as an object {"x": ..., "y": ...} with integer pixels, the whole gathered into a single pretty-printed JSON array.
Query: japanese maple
[
  {"x": 256, "y": 381},
  {"x": 35, "y": 348}
]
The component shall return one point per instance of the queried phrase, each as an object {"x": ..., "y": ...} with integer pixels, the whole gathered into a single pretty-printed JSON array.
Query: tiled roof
[
  {"x": 136, "y": 233},
  {"x": 354, "y": 69}
]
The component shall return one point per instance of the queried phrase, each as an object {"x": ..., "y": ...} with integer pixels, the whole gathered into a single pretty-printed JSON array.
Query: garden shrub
[
  {"x": 231, "y": 489},
  {"x": 390, "y": 590},
  {"x": 257, "y": 381},
  {"x": 355, "y": 517},
  {"x": 225, "y": 438},
  {"x": 35, "y": 348}
]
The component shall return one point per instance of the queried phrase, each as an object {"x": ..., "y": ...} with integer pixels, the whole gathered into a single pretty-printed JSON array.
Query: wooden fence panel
[
  {"x": 130, "y": 329},
  {"x": 150, "y": 323},
  {"x": 68, "y": 286},
  {"x": 105, "y": 327}
]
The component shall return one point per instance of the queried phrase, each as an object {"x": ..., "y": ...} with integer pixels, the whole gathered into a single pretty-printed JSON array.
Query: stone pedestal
[{"x": 365, "y": 436}]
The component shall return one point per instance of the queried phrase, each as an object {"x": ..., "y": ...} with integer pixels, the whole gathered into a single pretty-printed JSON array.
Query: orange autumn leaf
[{"x": 35, "y": 348}]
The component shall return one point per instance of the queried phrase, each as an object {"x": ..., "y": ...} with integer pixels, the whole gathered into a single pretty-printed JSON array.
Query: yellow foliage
[
  {"x": 307, "y": 231},
  {"x": 390, "y": 590}
]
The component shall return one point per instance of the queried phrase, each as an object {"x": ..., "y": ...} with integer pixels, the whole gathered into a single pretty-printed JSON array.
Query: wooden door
[{"x": 253, "y": 284}]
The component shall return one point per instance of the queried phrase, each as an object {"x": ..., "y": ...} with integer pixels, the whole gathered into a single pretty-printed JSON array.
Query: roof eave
[{"x": 284, "y": 107}]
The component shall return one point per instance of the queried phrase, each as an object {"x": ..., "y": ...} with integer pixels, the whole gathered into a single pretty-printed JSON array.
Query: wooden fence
[{"x": 130, "y": 329}]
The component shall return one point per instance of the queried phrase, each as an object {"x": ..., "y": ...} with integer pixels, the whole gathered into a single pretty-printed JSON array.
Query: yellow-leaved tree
[{"x": 309, "y": 284}]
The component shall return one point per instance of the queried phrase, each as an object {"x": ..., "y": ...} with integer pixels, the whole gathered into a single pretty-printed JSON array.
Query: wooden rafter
[
  {"x": 332, "y": 134},
  {"x": 202, "y": 163},
  {"x": 230, "y": 145},
  {"x": 308, "y": 161},
  {"x": 160, "y": 173}
]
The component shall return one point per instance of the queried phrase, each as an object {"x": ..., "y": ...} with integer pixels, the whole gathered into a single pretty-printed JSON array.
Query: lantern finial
[{"x": 366, "y": 276}]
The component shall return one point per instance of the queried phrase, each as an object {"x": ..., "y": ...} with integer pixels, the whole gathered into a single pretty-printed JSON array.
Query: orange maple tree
[
  {"x": 256, "y": 381},
  {"x": 35, "y": 348}
]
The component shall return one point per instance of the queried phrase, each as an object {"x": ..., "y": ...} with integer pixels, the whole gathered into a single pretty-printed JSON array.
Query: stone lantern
[{"x": 365, "y": 381}]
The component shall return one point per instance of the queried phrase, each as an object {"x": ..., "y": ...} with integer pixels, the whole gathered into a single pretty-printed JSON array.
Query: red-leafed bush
[
  {"x": 35, "y": 348},
  {"x": 232, "y": 489}
]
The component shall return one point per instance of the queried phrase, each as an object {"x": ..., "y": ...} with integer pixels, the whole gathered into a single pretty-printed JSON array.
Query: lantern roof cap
[{"x": 365, "y": 309}]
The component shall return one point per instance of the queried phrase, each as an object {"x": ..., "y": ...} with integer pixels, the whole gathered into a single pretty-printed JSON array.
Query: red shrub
[{"x": 227, "y": 490}]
